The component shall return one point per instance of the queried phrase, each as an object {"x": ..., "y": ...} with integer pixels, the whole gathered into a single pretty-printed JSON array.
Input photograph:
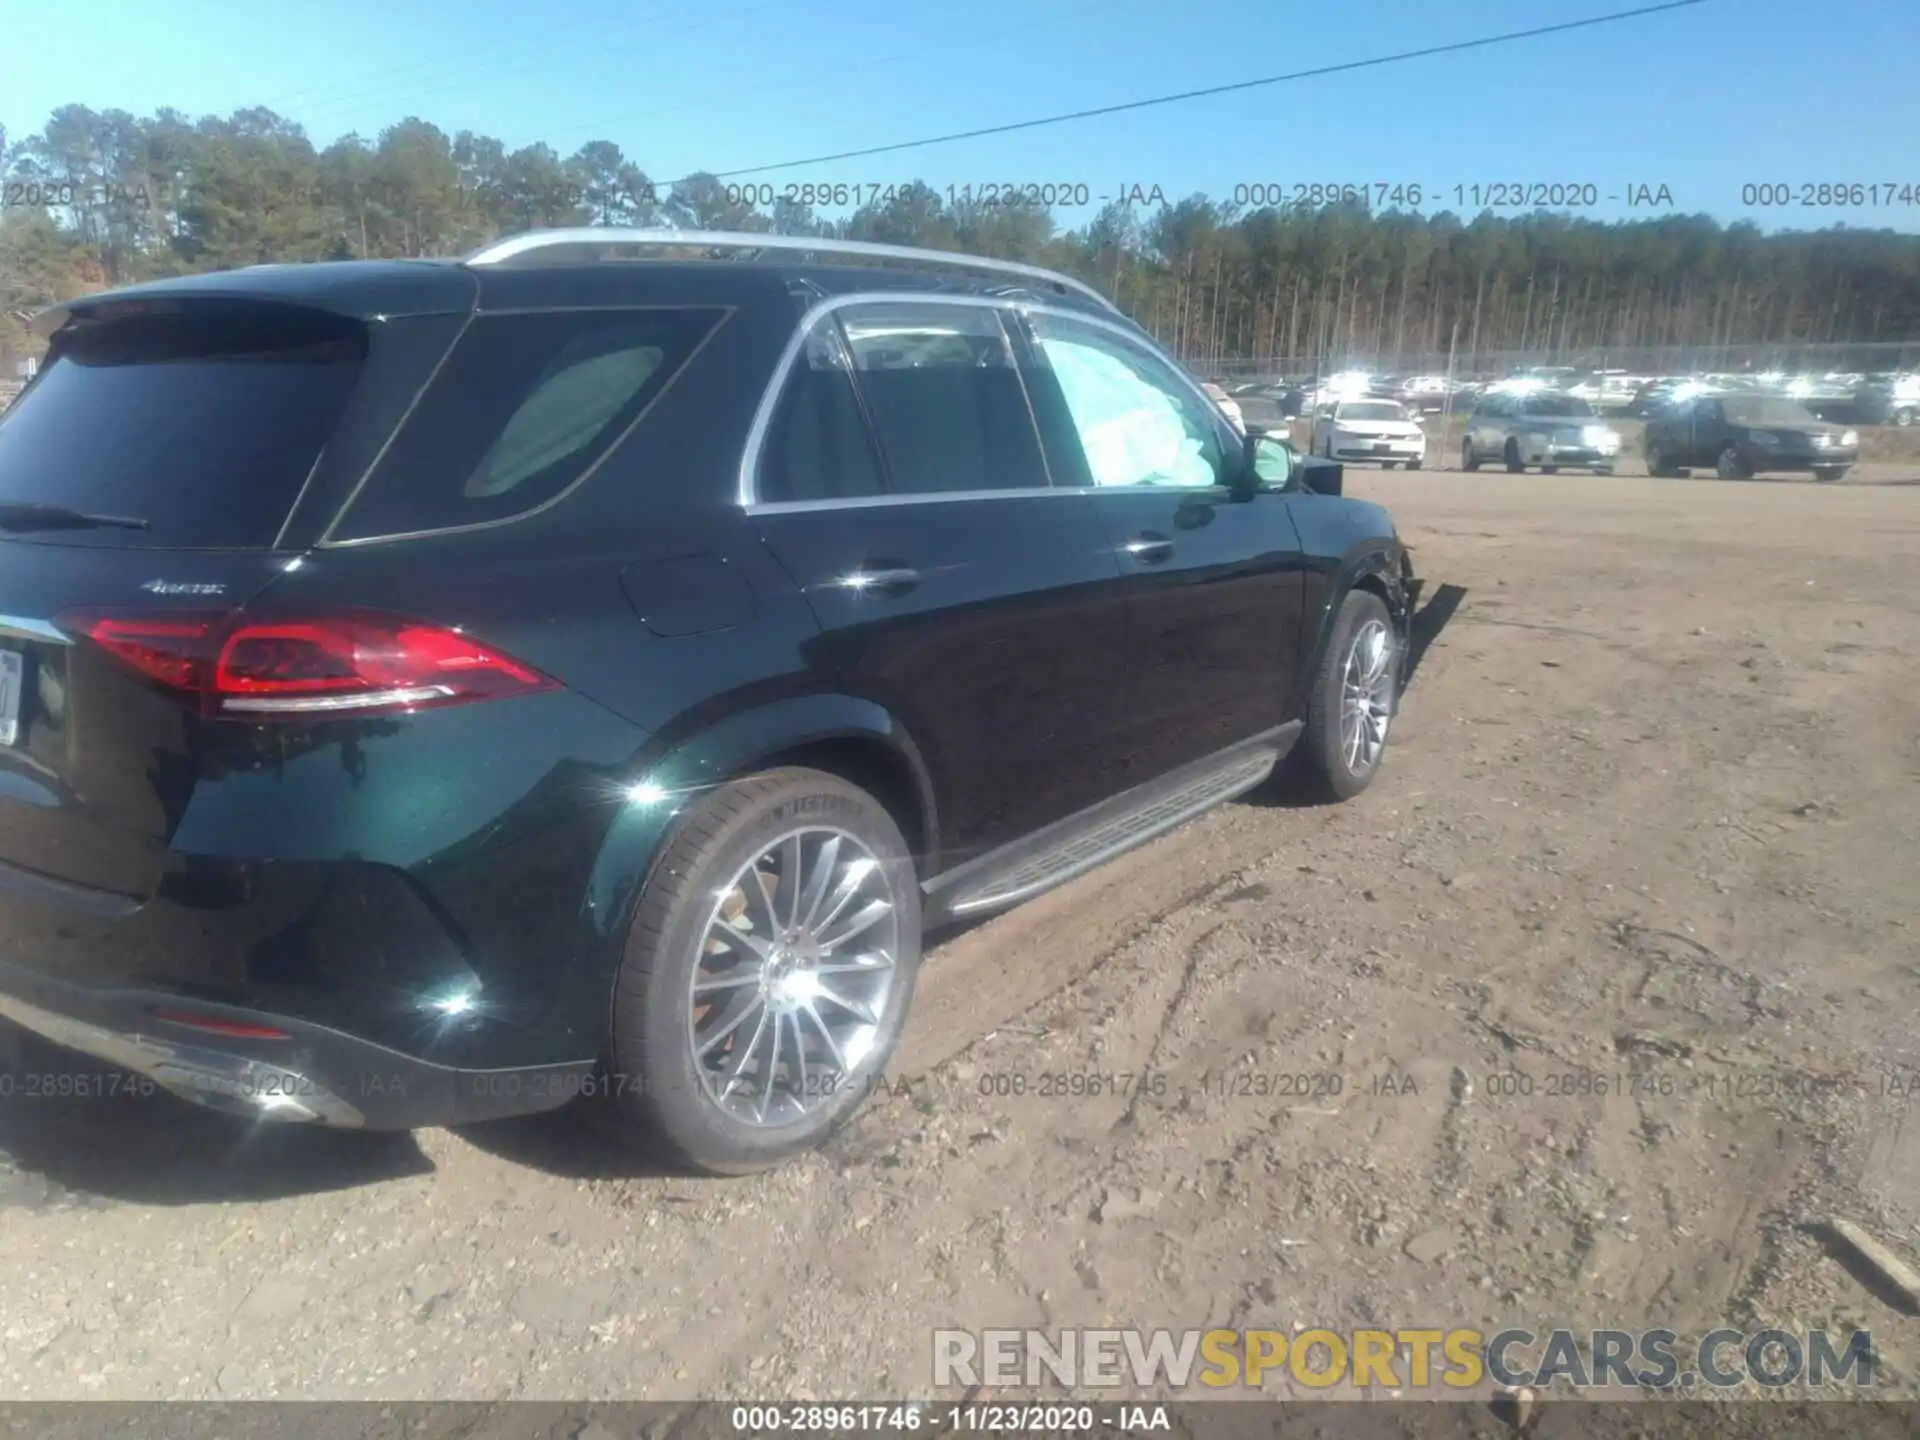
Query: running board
[{"x": 1082, "y": 843}]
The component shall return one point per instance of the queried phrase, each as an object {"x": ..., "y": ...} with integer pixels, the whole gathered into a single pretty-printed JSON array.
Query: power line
[{"x": 1346, "y": 67}]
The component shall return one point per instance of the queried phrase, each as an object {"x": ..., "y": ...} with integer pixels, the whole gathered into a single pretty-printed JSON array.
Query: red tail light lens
[
  {"x": 290, "y": 668},
  {"x": 214, "y": 1025}
]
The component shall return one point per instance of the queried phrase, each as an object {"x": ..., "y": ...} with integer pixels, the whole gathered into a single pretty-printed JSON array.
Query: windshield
[
  {"x": 1571, "y": 406},
  {"x": 1370, "y": 410},
  {"x": 204, "y": 423},
  {"x": 1767, "y": 410}
]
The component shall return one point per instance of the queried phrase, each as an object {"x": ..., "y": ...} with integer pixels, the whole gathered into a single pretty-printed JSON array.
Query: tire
[
  {"x": 656, "y": 1093},
  {"x": 1830, "y": 472},
  {"x": 1325, "y": 747},
  {"x": 1549, "y": 469},
  {"x": 1468, "y": 460},
  {"x": 1415, "y": 464},
  {"x": 1906, "y": 415},
  {"x": 1729, "y": 465},
  {"x": 1658, "y": 465},
  {"x": 1386, "y": 464},
  {"x": 1515, "y": 465}
]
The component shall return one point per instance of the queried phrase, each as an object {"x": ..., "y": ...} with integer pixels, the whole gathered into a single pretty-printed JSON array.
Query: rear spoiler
[{"x": 366, "y": 290}]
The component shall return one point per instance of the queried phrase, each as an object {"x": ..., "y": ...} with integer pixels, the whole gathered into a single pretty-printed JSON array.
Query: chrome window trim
[{"x": 745, "y": 492}]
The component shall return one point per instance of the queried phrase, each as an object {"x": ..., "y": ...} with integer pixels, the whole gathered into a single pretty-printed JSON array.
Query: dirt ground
[{"x": 1650, "y": 817}]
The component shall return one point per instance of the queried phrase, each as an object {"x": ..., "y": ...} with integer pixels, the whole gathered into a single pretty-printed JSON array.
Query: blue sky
[{"x": 1703, "y": 100}]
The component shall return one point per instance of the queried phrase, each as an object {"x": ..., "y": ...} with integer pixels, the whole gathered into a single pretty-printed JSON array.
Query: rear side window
[
  {"x": 947, "y": 402},
  {"x": 203, "y": 419},
  {"x": 524, "y": 407}
]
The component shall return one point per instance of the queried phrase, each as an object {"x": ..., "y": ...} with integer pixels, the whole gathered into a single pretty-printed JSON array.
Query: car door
[
  {"x": 902, "y": 486},
  {"x": 1672, "y": 427},
  {"x": 1213, "y": 583},
  {"x": 1476, "y": 423},
  {"x": 1706, "y": 432}
]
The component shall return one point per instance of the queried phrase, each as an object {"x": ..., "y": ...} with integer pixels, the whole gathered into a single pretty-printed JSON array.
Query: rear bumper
[{"x": 313, "y": 1075}]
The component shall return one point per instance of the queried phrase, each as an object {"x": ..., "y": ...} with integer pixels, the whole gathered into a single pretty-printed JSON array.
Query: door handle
[
  {"x": 879, "y": 580},
  {"x": 1149, "y": 547}
]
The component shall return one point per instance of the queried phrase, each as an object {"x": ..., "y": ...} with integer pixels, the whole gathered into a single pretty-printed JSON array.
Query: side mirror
[
  {"x": 1268, "y": 463},
  {"x": 1322, "y": 477}
]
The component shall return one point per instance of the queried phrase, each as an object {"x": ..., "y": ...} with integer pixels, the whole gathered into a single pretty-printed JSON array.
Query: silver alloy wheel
[
  {"x": 1366, "y": 697},
  {"x": 795, "y": 969}
]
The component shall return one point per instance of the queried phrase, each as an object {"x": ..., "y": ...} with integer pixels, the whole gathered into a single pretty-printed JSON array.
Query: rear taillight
[
  {"x": 307, "y": 666},
  {"x": 215, "y": 1025}
]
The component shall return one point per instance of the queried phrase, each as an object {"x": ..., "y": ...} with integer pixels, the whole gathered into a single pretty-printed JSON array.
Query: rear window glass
[
  {"x": 203, "y": 421},
  {"x": 524, "y": 407}
]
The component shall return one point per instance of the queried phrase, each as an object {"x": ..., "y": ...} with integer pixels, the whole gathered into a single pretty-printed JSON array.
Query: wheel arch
[
  {"x": 857, "y": 739},
  {"x": 1380, "y": 565}
]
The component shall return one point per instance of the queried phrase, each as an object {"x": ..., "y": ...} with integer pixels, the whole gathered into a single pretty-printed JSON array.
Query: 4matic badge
[{"x": 183, "y": 587}]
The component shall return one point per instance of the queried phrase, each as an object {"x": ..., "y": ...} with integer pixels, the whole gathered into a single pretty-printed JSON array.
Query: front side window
[
  {"x": 946, "y": 400},
  {"x": 1137, "y": 423},
  {"x": 524, "y": 406}
]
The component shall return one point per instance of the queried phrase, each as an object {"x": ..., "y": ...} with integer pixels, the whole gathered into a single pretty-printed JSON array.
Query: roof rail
[{"x": 604, "y": 235}]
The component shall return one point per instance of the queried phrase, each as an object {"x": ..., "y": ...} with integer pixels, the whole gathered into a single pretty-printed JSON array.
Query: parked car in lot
[
  {"x": 1884, "y": 399},
  {"x": 527, "y": 679},
  {"x": 1425, "y": 393},
  {"x": 1902, "y": 399},
  {"x": 1547, "y": 428},
  {"x": 1741, "y": 435},
  {"x": 1376, "y": 430},
  {"x": 1607, "y": 390}
]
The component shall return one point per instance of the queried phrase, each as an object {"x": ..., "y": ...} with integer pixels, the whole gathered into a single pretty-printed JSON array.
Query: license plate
[
  {"x": 1383, "y": 449},
  {"x": 10, "y": 673}
]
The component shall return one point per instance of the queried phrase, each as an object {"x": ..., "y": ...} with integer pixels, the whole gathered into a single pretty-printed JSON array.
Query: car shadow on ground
[
  {"x": 76, "y": 1131},
  {"x": 1287, "y": 788},
  {"x": 562, "y": 1143},
  {"x": 1428, "y": 621}
]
